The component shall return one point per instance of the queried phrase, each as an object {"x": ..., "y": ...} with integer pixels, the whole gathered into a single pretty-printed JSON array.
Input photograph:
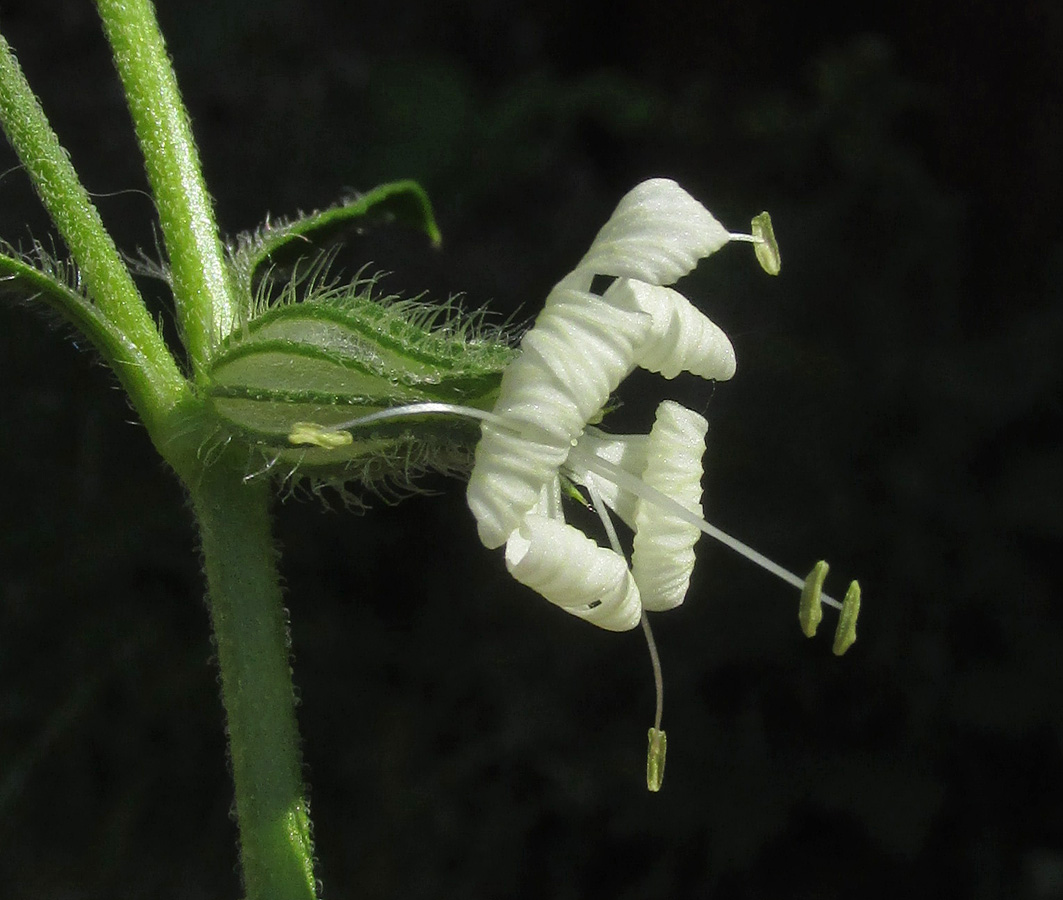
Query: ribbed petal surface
[
  {"x": 657, "y": 234},
  {"x": 663, "y": 556},
  {"x": 576, "y": 354},
  {"x": 573, "y": 572},
  {"x": 574, "y": 357},
  {"x": 682, "y": 338}
]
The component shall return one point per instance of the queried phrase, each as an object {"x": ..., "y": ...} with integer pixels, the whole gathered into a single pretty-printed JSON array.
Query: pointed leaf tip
[
  {"x": 655, "y": 759},
  {"x": 765, "y": 245},
  {"x": 286, "y": 241},
  {"x": 810, "y": 612},
  {"x": 845, "y": 633}
]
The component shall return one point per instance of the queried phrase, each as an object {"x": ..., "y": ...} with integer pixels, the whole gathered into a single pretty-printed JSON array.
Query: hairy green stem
[
  {"x": 206, "y": 306},
  {"x": 144, "y": 365},
  {"x": 251, "y": 635},
  {"x": 245, "y": 598}
]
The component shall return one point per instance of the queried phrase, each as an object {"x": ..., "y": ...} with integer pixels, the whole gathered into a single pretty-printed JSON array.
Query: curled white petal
[
  {"x": 574, "y": 357},
  {"x": 682, "y": 338},
  {"x": 663, "y": 555},
  {"x": 576, "y": 354},
  {"x": 657, "y": 234},
  {"x": 508, "y": 476},
  {"x": 573, "y": 572},
  {"x": 588, "y": 343}
]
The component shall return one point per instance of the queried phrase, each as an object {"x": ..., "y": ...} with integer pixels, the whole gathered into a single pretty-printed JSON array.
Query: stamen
[
  {"x": 658, "y": 677},
  {"x": 845, "y": 634},
  {"x": 655, "y": 759},
  {"x": 810, "y": 611},
  {"x": 657, "y": 738},
  {"x": 593, "y": 463},
  {"x": 603, "y": 514},
  {"x": 315, "y": 435},
  {"x": 304, "y": 432},
  {"x": 764, "y": 244}
]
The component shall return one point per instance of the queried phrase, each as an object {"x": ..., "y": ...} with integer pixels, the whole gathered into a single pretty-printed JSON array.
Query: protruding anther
[
  {"x": 845, "y": 633},
  {"x": 810, "y": 611},
  {"x": 655, "y": 759},
  {"x": 765, "y": 245}
]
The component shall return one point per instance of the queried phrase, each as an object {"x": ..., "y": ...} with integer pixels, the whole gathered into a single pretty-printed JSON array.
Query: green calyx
[
  {"x": 324, "y": 353},
  {"x": 323, "y": 362}
]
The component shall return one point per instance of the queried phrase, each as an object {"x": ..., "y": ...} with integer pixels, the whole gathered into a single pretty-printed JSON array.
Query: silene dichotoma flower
[
  {"x": 539, "y": 438},
  {"x": 541, "y": 442}
]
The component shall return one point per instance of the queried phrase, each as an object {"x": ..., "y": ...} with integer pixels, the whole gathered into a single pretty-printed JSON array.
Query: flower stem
[
  {"x": 206, "y": 306},
  {"x": 251, "y": 635}
]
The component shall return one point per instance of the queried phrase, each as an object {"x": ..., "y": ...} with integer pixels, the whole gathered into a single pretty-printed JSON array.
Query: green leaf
[{"x": 58, "y": 285}]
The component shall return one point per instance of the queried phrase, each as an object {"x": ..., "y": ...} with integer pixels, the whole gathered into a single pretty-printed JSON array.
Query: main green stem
[
  {"x": 245, "y": 598},
  {"x": 243, "y": 586},
  {"x": 251, "y": 635}
]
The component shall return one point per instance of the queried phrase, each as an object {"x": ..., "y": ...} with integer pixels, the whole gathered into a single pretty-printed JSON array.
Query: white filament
[
  {"x": 636, "y": 486},
  {"x": 581, "y": 458}
]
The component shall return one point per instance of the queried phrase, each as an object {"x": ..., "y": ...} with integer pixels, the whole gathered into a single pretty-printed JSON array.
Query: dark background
[{"x": 896, "y": 410}]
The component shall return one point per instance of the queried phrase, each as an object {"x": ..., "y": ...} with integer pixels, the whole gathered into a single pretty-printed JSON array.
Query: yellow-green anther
[
  {"x": 655, "y": 759},
  {"x": 765, "y": 245},
  {"x": 845, "y": 633},
  {"x": 304, "y": 433},
  {"x": 810, "y": 611}
]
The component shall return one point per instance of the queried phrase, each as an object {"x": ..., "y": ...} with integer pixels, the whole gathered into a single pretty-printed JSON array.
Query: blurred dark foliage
[{"x": 897, "y": 410}]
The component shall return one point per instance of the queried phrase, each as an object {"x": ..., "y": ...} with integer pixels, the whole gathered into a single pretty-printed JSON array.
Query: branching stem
[
  {"x": 206, "y": 307},
  {"x": 147, "y": 370}
]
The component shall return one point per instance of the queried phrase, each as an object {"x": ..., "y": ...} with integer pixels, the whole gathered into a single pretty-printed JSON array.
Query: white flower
[
  {"x": 576, "y": 354},
  {"x": 539, "y": 438},
  {"x": 539, "y": 435}
]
